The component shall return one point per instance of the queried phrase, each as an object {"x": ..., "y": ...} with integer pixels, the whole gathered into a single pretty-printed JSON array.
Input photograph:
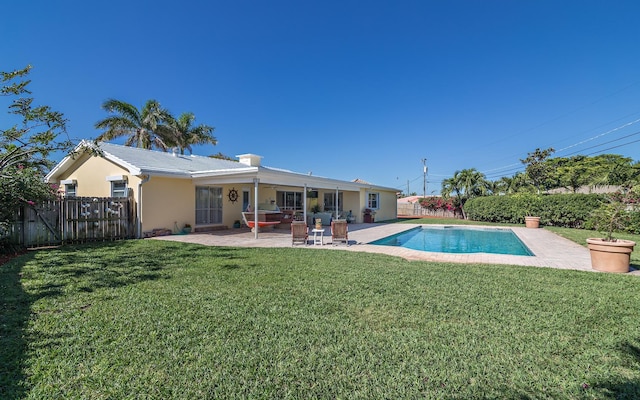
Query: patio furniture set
[{"x": 300, "y": 233}]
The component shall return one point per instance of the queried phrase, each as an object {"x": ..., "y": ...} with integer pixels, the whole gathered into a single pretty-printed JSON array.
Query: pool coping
[
  {"x": 550, "y": 249},
  {"x": 449, "y": 227}
]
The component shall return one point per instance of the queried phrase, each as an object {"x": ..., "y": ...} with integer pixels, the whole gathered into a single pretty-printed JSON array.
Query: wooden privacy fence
[
  {"x": 74, "y": 220},
  {"x": 416, "y": 210}
]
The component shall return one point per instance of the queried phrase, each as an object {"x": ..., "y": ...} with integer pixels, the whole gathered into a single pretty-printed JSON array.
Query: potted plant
[
  {"x": 609, "y": 254},
  {"x": 187, "y": 228},
  {"x": 537, "y": 172},
  {"x": 531, "y": 204},
  {"x": 236, "y": 224},
  {"x": 368, "y": 216},
  {"x": 531, "y": 221},
  {"x": 315, "y": 209}
]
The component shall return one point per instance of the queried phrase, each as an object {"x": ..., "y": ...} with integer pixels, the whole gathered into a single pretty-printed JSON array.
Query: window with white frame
[
  {"x": 289, "y": 200},
  {"x": 330, "y": 201},
  {"x": 208, "y": 205},
  {"x": 118, "y": 189},
  {"x": 373, "y": 200},
  {"x": 70, "y": 190}
]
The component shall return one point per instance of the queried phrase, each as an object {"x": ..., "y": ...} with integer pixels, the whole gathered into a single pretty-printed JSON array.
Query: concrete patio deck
[{"x": 550, "y": 249}]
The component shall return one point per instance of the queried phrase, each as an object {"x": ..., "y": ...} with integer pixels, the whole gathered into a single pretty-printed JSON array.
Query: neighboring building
[{"x": 208, "y": 193}]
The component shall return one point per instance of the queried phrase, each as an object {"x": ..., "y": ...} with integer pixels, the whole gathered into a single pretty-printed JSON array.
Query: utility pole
[{"x": 424, "y": 182}]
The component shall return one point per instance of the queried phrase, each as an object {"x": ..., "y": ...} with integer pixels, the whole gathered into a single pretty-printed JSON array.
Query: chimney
[{"x": 251, "y": 160}]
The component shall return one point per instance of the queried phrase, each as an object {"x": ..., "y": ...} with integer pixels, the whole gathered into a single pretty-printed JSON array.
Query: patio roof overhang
[{"x": 270, "y": 176}]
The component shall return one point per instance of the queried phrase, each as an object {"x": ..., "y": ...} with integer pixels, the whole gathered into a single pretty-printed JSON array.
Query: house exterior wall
[
  {"x": 388, "y": 207},
  {"x": 167, "y": 202},
  {"x": 351, "y": 202},
  {"x": 170, "y": 201},
  {"x": 232, "y": 211},
  {"x": 91, "y": 175}
]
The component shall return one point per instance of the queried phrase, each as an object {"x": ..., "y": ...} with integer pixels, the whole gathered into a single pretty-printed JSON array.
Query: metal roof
[{"x": 151, "y": 162}]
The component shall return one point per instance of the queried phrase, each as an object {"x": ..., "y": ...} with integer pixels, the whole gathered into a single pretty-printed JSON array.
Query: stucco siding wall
[
  {"x": 232, "y": 211},
  {"x": 352, "y": 202},
  {"x": 388, "y": 206},
  {"x": 167, "y": 202},
  {"x": 91, "y": 173}
]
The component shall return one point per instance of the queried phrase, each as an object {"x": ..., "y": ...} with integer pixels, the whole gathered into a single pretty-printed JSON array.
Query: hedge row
[{"x": 566, "y": 210}]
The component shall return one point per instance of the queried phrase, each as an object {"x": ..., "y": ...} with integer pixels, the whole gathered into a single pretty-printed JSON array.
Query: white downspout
[{"x": 146, "y": 179}]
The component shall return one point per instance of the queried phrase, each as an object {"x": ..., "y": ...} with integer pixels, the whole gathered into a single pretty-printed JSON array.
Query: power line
[
  {"x": 600, "y": 135},
  {"x": 567, "y": 113},
  {"x": 610, "y": 141},
  {"x": 614, "y": 147},
  {"x": 580, "y": 151},
  {"x": 508, "y": 168}
]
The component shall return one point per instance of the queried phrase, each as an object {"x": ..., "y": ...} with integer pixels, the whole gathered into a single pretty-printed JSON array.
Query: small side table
[{"x": 318, "y": 236}]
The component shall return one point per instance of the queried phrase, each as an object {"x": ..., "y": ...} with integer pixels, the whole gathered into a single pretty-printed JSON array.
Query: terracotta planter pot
[
  {"x": 610, "y": 256},
  {"x": 532, "y": 222}
]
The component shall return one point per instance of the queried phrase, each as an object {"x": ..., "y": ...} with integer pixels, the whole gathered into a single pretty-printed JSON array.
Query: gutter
[{"x": 144, "y": 180}]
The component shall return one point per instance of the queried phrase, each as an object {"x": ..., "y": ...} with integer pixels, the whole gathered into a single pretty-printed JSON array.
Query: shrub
[
  {"x": 564, "y": 210},
  {"x": 439, "y": 203}
]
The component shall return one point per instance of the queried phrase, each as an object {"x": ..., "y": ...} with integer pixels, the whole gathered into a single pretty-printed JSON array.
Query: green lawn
[{"x": 153, "y": 319}]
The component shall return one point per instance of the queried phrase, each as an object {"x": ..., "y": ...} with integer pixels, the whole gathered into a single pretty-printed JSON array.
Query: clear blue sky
[{"x": 349, "y": 89}]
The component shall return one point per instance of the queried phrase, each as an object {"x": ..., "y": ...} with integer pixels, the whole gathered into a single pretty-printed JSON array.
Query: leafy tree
[
  {"x": 572, "y": 173},
  {"x": 145, "y": 128},
  {"x": 578, "y": 171},
  {"x": 185, "y": 134},
  {"x": 620, "y": 169},
  {"x": 26, "y": 146},
  {"x": 537, "y": 171}
]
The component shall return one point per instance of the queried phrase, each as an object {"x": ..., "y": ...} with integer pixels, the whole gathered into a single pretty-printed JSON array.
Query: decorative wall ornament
[{"x": 233, "y": 195}]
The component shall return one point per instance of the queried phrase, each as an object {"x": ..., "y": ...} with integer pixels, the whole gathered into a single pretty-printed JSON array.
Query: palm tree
[
  {"x": 465, "y": 184},
  {"x": 145, "y": 128},
  {"x": 495, "y": 188},
  {"x": 185, "y": 135},
  {"x": 451, "y": 186},
  {"x": 473, "y": 183}
]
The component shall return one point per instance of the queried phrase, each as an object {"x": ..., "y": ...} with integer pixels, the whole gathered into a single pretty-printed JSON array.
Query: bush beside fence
[{"x": 563, "y": 210}]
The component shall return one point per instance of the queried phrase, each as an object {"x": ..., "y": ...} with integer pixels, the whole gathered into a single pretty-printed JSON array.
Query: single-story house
[{"x": 170, "y": 189}]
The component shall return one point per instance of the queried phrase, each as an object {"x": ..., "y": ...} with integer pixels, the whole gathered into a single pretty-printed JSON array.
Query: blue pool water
[{"x": 454, "y": 239}]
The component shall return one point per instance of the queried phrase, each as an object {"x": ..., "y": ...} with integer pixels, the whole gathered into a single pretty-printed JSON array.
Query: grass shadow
[
  {"x": 15, "y": 311},
  {"x": 625, "y": 389},
  {"x": 64, "y": 271}
]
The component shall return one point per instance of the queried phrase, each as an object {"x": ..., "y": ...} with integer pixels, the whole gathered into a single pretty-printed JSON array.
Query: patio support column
[
  {"x": 304, "y": 203},
  {"x": 255, "y": 207},
  {"x": 337, "y": 208}
]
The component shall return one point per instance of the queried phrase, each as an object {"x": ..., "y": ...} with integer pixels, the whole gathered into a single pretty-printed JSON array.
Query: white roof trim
[{"x": 116, "y": 178}]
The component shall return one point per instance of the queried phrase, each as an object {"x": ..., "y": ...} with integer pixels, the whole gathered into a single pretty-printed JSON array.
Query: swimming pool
[{"x": 456, "y": 239}]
